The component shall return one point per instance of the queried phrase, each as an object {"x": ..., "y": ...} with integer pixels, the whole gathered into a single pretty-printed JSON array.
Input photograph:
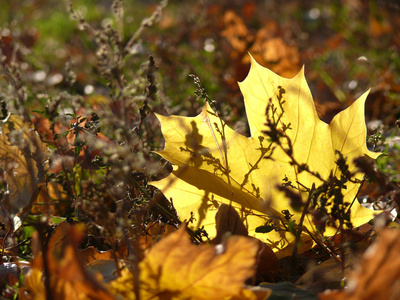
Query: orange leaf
[
  {"x": 177, "y": 269},
  {"x": 65, "y": 275},
  {"x": 23, "y": 159},
  {"x": 377, "y": 275}
]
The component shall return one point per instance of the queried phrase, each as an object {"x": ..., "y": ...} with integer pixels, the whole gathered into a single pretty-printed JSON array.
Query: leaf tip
[
  {"x": 158, "y": 116},
  {"x": 302, "y": 70},
  {"x": 253, "y": 63},
  {"x": 206, "y": 109}
]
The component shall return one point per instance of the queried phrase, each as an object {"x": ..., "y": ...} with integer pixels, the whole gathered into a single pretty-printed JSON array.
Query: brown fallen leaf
[
  {"x": 236, "y": 33},
  {"x": 61, "y": 235},
  {"x": 377, "y": 274},
  {"x": 228, "y": 221},
  {"x": 276, "y": 54},
  {"x": 10, "y": 272},
  {"x": 64, "y": 275},
  {"x": 328, "y": 274},
  {"x": 91, "y": 254},
  {"x": 266, "y": 46},
  {"x": 22, "y": 158},
  {"x": 154, "y": 231},
  {"x": 63, "y": 138},
  {"x": 51, "y": 200}
]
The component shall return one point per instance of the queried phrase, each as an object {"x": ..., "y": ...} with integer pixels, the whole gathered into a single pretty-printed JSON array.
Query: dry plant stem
[
  {"x": 67, "y": 170},
  {"x": 144, "y": 192},
  {"x": 79, "y": 18},
  {"x": 157, "y": 198},
  {"x": 14, "y": 79},
  {"x": 114, "y": 255},
  {"x": 322, "y": 245},
  {"x": 146, "y": 229},
  {"x": 342, "y": 252},
  {"x": 145, "y": 23},
  {"x": 116, "y": 53},
  {"x": 46, "y": 271},
  {"x": 3, "y": 244},
  {"x": 342, "y": 259},
  {"x": 136, "y": 266},
  {"x": 294, "y": 162},
  {"x": 134, "y": 247},
  {"x": 225, "y": 148},
  {"x": 25, "y": 242},
  {"x": 118, "y": 11},
  {"x": 201, "y": 93},
  {"x": 300, "y": 227},
  {"x": 273, "y": 124}
]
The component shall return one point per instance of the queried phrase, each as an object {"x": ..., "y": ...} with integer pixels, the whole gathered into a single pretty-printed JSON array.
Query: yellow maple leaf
[
  {"x": 213, "y": 164},
  {"x": 177, "y": 269}
]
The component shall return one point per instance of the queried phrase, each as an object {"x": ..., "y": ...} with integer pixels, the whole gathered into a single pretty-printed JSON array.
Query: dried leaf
[
  {"x": 10, "y": 272},
  {"x": 91, "y": 254},
  {"x": 177, "y": 269},
  {"x": 153, "y": 233},
  {"x": 22, "y": 162},
  {"x": 268, "y": 264},
  {"x": 175, "y": 265},
  {"x": 327, "y": 274},
  {"x": 273, "y": 52},
  {"x": 236, "y": 33},
  {"x": 287, "y": 290},
  {"x": 51, "y": 200},
  {"x": 106, "y": 268},
  {"x": 377, "y": 274},
  {"x": 227, "y": 220},
  {"x": 66, "y": 275}
]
